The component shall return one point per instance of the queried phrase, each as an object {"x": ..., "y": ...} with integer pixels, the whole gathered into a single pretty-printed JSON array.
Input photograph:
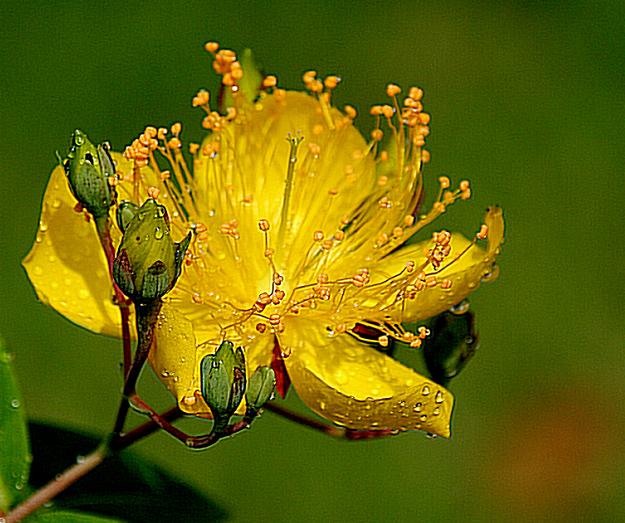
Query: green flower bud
[
  {"x": 260, "y": 389},
  {"x": 223, "y": 381},
  {"x": 453, "y": 344},
  {"x": 148, "y": 261},
  {"x": 88, "y": 169}
]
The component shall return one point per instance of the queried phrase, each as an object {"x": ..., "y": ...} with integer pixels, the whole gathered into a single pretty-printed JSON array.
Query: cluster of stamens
[{"x": 409, "y": 125}]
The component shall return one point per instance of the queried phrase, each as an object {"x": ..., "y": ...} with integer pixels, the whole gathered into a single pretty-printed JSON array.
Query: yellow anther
[
  {"x": 388, "y": 111},
  {"x": 376, "y": 110},
  {"x": 153, "y": 192},
  {"x": 384, "y": 156},
  {"x": 174, "y": 143},
  {"x": 393, "y": 90},
  {"x": 431, "y": 281},
  {"x": 483, "y": 233},
  {"x": 197, "y": 297},
  {"x": 444, "y": 181},
  {"x": 327, "y": 244},
  {"x": 398, "y": 232},
  {"x": 277, "y": 279},
  {"x": 416, "y": 343},
  {"x": 263, "y": 225},
  {"x": 377, "y": 135},
  {"x": 339, "y": 236},
  {"x": 176, "y": 128},
  {"x": 274, "y": 319},
  {"x": 425, "y": 156},
  {"x": 201, "y": 98},
  {"x": 331, "y": 81},
  {"x": 270, "y": 81},
  {"x": 261, "y": 327},
  {"x": 408, "y": 220},
  {"x": 464, "y": 185},
  {"x": 415, "y": 93},
  {"x": 382, "y": 180},
  {"x": 323, "y": 278},
  {"x": 410, "y": 266},
  {"x": 162, "y": 133},
  {"x": 350, "y": 111},
  {"x": 446, "y": 284},
  {"x": 211, "y": 47},
  {"x": 424, "y": 118},
  {"x": 309, "y": 76},
  {"x": 465, "y": 195},
  {"x": 193, "y": 148},
  {"x": 150, "y": 131},
  {"x": 318, "y": 236}
]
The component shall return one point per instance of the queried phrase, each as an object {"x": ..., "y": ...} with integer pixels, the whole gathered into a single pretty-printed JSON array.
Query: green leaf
[
  {"x": 67, "y": 516},
  {"x": 14, "y": 450},
  {"x": 125, "y": 486}
]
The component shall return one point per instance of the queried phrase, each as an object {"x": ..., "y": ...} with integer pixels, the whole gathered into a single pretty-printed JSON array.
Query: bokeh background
[{"x": 528, "y": 102}]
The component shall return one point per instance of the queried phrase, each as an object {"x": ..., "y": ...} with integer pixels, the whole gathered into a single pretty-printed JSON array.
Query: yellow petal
[
  {"x": 466, "y": 273},
  {"x": 355, "y": 386},
  {"x": 66, "y": 264},
  {"x": 177, "y": 354}
]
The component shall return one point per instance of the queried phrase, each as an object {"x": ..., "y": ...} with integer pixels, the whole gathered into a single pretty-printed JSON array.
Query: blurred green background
[{"x": 527, "y": 101}]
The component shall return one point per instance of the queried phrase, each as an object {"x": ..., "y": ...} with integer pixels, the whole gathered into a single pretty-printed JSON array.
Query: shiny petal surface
[{"x": 353, "y": 385}]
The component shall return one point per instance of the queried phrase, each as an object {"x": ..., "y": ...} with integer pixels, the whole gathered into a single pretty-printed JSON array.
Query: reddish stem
[{"x": 104, "y": 233}]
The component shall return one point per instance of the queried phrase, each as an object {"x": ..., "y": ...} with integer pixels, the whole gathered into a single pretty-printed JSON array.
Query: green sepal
[
  {"x": 215, "y": 386},
  {"x": 126, "y": 211},
  {"x": 252, "y": 79},
  {"x": 156, "y": 281},
  {"x": 260, "y": 389}
]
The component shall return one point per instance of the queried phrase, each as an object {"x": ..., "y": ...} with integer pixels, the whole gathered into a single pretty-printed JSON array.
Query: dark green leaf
[
  {"x": 14, "y": 449},
  {"x": 125, "y": 486}
]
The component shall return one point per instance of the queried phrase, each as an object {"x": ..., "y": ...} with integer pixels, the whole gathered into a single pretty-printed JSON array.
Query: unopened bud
[
  {"x": 88, "y": 169},
  {"x": 223, "y": 381},
  {"x": 452, "y": 344},
  {"x": 260, "y": 389},
  {"x": 148, "y": 261}
]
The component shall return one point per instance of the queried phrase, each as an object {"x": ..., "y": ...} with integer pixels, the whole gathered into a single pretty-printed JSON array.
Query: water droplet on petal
[
  {"x": 460, "y": 308},
  {"x": 15, "y": 403},
  {"x": 439, "y": 397},
  {"x": 158, "y": 233},
  {"x": 425, "y": 390}
]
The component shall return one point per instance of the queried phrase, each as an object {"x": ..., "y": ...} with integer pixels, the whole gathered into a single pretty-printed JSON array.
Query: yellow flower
[{"x": 299, "y": 254}]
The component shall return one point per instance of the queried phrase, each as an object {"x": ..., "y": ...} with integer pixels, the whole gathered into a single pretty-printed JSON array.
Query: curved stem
[{"x": 57, "y": 485}]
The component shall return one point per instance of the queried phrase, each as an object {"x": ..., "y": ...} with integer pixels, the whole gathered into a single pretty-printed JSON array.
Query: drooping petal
[
  {"x": 355, "y": 386},
  {"x": 179, "y": 349},
  {"x": 465, "y": 273}
]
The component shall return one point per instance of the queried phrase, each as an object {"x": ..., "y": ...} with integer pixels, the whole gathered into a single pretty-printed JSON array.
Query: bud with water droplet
[
  {"x": 260, "y": 389},
  {"x": 223, "y": 381},
  {"x": 148, "y": 261},
  {"x": 453, "y": 344},
  {"x": 88, "y": 169}
]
